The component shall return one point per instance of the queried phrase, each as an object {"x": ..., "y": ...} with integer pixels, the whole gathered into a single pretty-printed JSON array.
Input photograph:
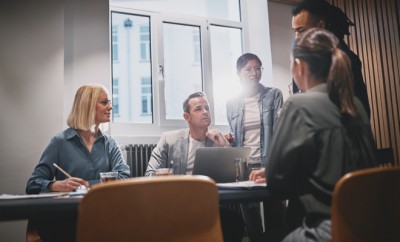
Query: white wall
[
  {"x": 48, "y": 49},
  {"x": 281, "y": 40},
  {"x": 31, "y": 88},
  {"x": 258, "y": 40},
  {"x": 87, "y": 50}
]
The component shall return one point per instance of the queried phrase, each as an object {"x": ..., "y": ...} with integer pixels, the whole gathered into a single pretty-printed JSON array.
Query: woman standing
[{"x": 252, "y": 117}]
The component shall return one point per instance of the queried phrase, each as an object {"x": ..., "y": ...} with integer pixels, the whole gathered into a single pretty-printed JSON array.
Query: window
[
  {"x": 196, "y": 47},
  {"x": 182, "y": 74},
  {"x": 169, "y": 49},
  {"x": 115, "y": 97},
  {"x": 130, "y": 70},
  {"x": 226, "y": 47},
  {"x": 144, "y": 43},
  {"x": 114, "y": 41},
  {"x": 146, "y": 97},
  {"x": 215, "y": 9}
]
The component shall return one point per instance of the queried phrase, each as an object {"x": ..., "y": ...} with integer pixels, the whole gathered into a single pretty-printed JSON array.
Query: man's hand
[
  {"x": 258, "y": 176},
  {"x": 217, "y": 137}
]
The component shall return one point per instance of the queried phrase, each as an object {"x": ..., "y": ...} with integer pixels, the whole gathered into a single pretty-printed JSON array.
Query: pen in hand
[
  {"x": 61, "y": 169},
  {"x": 68, "y": 175}
]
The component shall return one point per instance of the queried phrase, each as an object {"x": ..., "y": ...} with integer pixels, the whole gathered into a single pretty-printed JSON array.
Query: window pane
[
  {"x": 219, "y": 9},
  {"x": 131, "y": 46},
  {"x": 115, "y": 97},
  {"x": 226, "y": 47},
  {"x": 114, "y": 43},
  {"x": 182, "y": 67}
]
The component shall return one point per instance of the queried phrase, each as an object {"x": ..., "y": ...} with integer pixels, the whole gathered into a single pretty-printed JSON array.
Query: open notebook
[{"x": 219, "y": 162}]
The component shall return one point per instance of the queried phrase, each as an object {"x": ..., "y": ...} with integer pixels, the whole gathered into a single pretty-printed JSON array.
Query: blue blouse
[{"x": 68, "y": 151}]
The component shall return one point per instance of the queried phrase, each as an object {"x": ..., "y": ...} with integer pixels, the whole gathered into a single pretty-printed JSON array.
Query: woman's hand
[
  {"x": 68, "y": 185},
  {"x": 258, "y": 176},
  {"x": 217, "y": 137}
]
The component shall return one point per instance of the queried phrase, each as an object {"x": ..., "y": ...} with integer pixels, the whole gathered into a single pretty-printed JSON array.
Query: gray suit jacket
[{"x": 172, "y": 149}]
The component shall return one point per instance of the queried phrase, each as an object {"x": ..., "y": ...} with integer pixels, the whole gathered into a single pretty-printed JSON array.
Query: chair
[
  {"x": 366, "y": 206},
  {"x": 32, "y": 232},
  {"x": 151, "y": 209}
]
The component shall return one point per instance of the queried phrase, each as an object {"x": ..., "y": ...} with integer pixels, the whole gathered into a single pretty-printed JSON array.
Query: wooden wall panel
[{"x": 376, "y": 40}]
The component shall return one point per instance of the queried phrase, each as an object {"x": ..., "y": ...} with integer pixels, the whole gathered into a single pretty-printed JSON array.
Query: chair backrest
[
  {"x": 151, "y": 209},
  {"x": 366, "y": 206}
]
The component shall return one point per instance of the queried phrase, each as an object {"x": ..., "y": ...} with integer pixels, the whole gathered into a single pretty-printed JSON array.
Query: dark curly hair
[{"x": 335, "y": 19}]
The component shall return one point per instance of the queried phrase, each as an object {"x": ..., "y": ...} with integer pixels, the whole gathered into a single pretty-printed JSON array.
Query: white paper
[
  {"x": 42, "y": 195},
  {"x": 78, "y": 192},
  {"x": 242, "y": 184}
]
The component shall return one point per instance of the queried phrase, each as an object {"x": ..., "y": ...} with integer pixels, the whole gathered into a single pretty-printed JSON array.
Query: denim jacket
[{"x": 269, "y": 104}]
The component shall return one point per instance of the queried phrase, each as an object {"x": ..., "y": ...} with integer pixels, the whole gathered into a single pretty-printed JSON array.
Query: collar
[
  {"x": 319, "y": 88},
  {"x": 71, "y": 133}
]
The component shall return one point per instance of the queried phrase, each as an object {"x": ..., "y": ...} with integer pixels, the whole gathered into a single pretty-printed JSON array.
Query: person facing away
[
  {"x": 321, "y": 14},
  {"x": 177, "y": 148},
  {"x": 82, "y": 150},
  {"x": 252, "y": 116},
  {"x": 332, "y": 137}
]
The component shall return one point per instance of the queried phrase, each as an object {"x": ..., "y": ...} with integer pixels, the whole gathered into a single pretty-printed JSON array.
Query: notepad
[{"x": 242, "y": 185}]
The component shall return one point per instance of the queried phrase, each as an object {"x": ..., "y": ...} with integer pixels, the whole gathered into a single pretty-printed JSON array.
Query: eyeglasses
[{"x": 257, "y": 69}]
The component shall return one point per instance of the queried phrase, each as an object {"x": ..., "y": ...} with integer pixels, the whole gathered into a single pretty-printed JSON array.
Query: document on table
[
  {"x": 28, "y": 196},
  {"x": 79, "y": 192},
  {"x": 242, "y": 184}
]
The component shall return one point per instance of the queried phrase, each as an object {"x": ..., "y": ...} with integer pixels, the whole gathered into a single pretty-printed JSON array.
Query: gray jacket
[
  {"x": 313, "y": 146},
  {"x": 172, "y": 149},
  {"x": 269, "y": 104}
]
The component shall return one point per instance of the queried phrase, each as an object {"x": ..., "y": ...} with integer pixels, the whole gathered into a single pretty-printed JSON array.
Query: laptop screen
[{"x": 219, "y": 162}]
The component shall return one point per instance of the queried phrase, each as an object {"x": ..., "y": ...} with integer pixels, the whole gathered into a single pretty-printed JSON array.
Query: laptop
[{"x": 219, "y": 162}]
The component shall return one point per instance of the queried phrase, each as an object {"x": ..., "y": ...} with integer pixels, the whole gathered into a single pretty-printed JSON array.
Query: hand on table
[
  {"x": 68, "y": 185},
  {"x": 258, "y": 176}
]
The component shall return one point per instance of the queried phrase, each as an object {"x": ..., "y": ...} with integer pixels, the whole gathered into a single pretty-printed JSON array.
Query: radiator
[{"x": 137, "y": 157}]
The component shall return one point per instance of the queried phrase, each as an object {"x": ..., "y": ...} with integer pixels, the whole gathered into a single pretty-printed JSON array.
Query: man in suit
[
  {"x": 319, "y": 13},
  {"x": 176, "y": 149}
]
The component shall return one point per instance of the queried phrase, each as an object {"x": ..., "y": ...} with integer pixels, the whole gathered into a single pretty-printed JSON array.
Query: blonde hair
[{"x": 83, "y": 113}]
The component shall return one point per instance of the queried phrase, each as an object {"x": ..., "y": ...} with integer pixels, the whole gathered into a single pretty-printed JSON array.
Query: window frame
[{"x": 160, "y": 123}]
